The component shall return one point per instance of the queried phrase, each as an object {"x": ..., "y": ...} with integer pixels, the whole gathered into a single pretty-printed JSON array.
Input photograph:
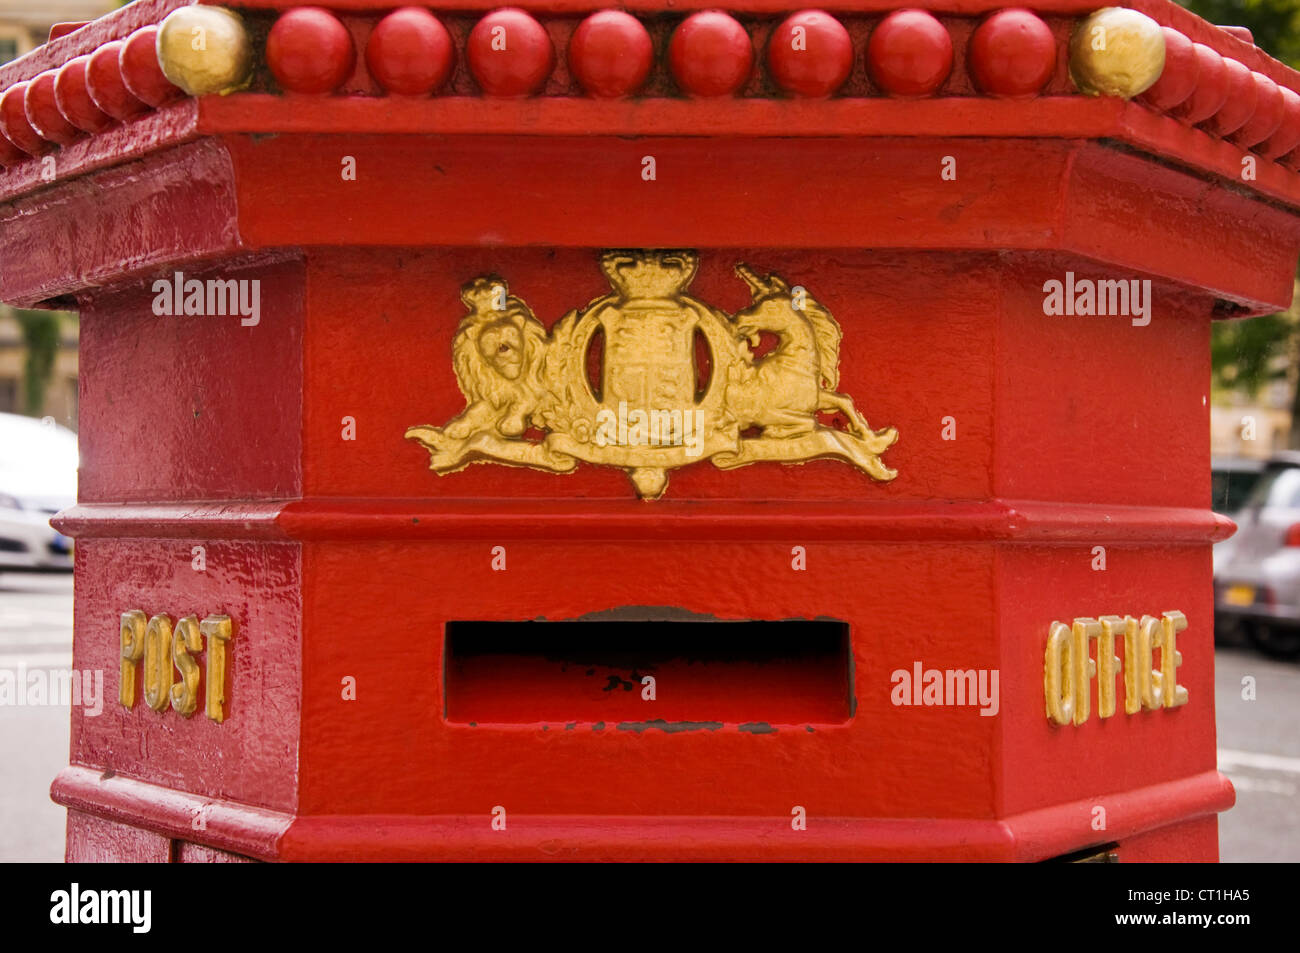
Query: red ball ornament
[
  {"x": 1013, "y": 54},
  {"x": 710, "y": 54},
  {"x": 909, "y": 53},
  {"x": 106, "y": 85},
  {"x": 1239, "y": 106},
  {"x": 43, "y": 111},
  {"x": 810, "y": 54},
  {"x": 611, "y": 54},
  {"x": 510, "y": 53},
  {"x": 410, "y": 52},
  {"x": 1267, "y": 116},
  {"x": 1287, "y": 135},
  {"x": 73, "y": 97},
  {"x": 1211, "y": 87},
  {"x": 140, "y": 70},
  {"x": 310, "y": 51},
  {"x": 15, "y": 124},
  {"x": 1178, "y": 78}
]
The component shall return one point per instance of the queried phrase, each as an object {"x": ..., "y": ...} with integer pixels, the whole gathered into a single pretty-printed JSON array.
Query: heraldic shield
[{"x": 647, "y": 410}]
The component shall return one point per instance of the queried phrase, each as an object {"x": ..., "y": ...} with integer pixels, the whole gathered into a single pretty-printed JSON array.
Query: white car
[{"x": 38, "y": 478}]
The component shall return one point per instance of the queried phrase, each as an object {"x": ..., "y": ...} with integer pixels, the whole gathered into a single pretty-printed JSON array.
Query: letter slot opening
[{"x": 706, "y": 674}]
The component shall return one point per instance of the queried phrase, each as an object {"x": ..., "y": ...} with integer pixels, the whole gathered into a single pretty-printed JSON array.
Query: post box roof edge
[{"x": 159, "y": 72}]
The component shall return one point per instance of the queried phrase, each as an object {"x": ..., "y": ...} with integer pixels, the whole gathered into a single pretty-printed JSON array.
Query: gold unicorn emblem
[{"x": 652, "y": 407}]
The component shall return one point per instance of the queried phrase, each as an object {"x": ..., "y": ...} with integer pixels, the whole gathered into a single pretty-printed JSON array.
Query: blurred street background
[{"x": 35, "y": 630}]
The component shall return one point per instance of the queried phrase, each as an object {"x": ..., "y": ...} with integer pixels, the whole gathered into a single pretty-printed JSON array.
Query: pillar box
[{"x": 562, "y": 433}]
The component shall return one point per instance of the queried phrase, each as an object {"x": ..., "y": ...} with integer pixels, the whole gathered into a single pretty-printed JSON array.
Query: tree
[
  {"x": 1274, "y": 24},
  {"x": 1246, "y": 353},
  {"x": 41, "y": 338}
]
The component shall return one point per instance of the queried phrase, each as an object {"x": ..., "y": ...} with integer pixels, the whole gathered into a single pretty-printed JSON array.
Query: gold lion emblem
[{"x": 532, "y": 400}]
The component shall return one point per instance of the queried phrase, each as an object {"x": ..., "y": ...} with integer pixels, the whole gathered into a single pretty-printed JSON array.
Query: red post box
[{"x": 567, "y": 433}]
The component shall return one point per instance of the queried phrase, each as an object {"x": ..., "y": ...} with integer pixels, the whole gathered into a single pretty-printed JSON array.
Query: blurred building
[
  {"x": 60, "y": 399},
  {"x": 1252, "y": 395},
  {"x": 1256, "y": 422},
  {"x": 1252, "y": 427},
  {"x": 25, "y": 24}
]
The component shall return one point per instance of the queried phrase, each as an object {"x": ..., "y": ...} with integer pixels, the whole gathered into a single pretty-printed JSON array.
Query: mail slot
[
  {"x": 757, "y": 675},
  {"x": 666, "y": 433}
]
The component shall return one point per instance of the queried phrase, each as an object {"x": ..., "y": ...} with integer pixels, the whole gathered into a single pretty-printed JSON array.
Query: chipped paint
[{"x": 671, "y": 727}]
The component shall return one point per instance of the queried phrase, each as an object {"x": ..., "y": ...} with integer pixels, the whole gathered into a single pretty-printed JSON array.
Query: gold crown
[{"x": 655, "y": 273}]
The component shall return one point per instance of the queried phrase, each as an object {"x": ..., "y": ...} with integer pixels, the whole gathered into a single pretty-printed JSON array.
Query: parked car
[
  {"x": 1257, "y": 571},
  {"x": 38, "y": 478},
  {"x": 1232, "y": 479}
]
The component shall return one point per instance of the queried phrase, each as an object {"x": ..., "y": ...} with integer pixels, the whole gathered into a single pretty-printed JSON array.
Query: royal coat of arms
[{"x": 620, "y": 384}]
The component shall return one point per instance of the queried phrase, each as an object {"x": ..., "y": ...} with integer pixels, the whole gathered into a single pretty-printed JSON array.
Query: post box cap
[{"x": 852, "y": 68}]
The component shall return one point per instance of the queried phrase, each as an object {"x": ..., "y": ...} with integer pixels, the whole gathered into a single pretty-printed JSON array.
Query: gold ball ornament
[
  {"x": 205, "y": 50},
  {"x": 1116, "y": 52}
]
